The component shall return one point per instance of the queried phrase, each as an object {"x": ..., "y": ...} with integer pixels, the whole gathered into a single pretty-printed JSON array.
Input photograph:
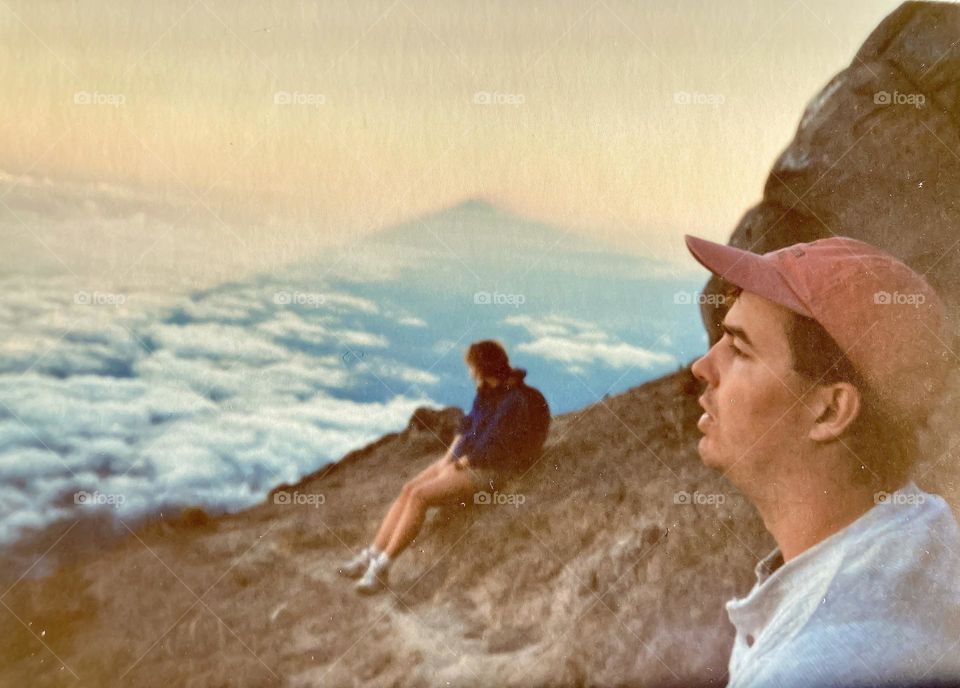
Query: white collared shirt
[{"x": 878, "y": 600}]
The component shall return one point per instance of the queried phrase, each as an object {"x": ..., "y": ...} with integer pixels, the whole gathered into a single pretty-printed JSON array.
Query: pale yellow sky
[{"x": 274, "y": 129}]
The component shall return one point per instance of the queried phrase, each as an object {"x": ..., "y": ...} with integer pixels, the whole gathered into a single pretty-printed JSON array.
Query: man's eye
[{"x": 736, "y": 351}]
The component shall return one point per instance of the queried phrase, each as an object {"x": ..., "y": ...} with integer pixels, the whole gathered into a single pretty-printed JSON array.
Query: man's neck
[{"x": 800, "y": 516}]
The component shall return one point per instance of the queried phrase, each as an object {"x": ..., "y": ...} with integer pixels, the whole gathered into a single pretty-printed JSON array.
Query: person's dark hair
[
  {"x": 883, "y": 452},
  {"x": 489, "y": 358}
]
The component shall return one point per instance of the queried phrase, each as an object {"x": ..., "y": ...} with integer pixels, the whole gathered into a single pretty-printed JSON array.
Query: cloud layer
[
  {"x": 133, "y": 402},
  {"x": 579, "y": 344}
]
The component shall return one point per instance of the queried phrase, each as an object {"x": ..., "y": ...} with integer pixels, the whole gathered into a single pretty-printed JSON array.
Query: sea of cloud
[{"x": 136, "y": 401}]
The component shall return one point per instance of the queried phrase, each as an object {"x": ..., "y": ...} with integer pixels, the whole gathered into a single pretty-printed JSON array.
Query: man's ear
[{"x": 835, "y": 407}]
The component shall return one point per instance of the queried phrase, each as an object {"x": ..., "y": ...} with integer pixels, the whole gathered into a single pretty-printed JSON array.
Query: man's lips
[
  {"x": 707, "y": 416},
  {"x": 706, "y": 408}
]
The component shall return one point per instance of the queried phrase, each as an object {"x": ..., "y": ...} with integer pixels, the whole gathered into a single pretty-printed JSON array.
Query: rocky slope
[
  {"x": 598, "y": 576},
  {"x": 613, "y": 570}
]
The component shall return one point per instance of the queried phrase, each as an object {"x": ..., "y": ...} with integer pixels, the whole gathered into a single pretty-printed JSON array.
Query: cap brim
[{"x": 747, "y": 270}]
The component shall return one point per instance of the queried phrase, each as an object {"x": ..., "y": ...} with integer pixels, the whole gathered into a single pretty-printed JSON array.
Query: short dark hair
[
  {"x": 489, "y": 358},
  {"x": 882, "y": 450}
]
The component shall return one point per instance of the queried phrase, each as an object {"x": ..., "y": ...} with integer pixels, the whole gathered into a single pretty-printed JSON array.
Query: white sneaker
[
  {"x": 375, "y": 578},
  {"x": 356, "y": 566}
]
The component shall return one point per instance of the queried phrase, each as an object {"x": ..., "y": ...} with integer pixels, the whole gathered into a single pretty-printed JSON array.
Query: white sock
[
  {"x": 382, "y": 561},
  {"x": 373, "y": 551}
]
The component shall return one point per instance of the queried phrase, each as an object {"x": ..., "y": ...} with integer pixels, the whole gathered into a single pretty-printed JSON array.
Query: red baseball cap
[{"x": 885, "y": 317}]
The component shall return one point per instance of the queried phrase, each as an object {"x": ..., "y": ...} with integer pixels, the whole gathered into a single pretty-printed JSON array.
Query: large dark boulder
[{"x": 876, "y": 156}]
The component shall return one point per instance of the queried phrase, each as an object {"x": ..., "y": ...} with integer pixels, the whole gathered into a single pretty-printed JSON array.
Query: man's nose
[{"x": 703, "y": 368}]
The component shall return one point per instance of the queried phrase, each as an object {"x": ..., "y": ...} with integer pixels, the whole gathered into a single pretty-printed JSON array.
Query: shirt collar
[
  {"x": 770, "y": 563},
  {"x": 778, "y": 582}
]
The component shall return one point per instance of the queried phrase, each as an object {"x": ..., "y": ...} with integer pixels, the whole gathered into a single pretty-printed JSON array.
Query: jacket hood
[
  {"x": 513, "y": 379},
  {"x": 516, "y": 376}
]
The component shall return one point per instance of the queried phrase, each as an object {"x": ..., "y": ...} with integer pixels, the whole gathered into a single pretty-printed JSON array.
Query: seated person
[{"x": 497, "y": 441}]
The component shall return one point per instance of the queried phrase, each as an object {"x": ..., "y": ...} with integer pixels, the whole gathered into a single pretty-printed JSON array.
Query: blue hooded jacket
[{"x": 506, "y": 426}]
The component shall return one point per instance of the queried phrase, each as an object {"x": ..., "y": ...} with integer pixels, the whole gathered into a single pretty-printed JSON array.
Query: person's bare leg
[
  {"x": 390, "y": 521},
  {"x": 452, "y": 484}
]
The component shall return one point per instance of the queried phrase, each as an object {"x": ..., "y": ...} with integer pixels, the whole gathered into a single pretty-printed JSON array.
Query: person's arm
[
  {"x": 457, "y": 452},
  {"x": 454, "y": 446},
  {"x": 490, "y": 447},
  {"x": 463, "y": 440}
]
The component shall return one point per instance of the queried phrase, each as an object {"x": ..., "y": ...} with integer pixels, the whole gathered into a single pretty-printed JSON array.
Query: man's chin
[{"x": 709, "y": 457}]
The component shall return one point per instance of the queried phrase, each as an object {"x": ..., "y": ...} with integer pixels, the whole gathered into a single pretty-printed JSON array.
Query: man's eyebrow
[{"x": 737, "y": 332}]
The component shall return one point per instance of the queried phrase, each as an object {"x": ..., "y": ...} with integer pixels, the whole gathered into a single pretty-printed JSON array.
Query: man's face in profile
[{"x": 753, "y": 414}]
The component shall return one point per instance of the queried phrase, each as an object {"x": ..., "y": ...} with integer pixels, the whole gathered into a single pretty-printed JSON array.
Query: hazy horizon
[{"x": 203, "y": 141}]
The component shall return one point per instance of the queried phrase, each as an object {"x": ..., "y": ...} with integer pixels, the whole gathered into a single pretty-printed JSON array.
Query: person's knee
[
  {"x": 408, "y": 488},
  {"x": 428, "y": 473},
  {"x": 417, "y": 498}
]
